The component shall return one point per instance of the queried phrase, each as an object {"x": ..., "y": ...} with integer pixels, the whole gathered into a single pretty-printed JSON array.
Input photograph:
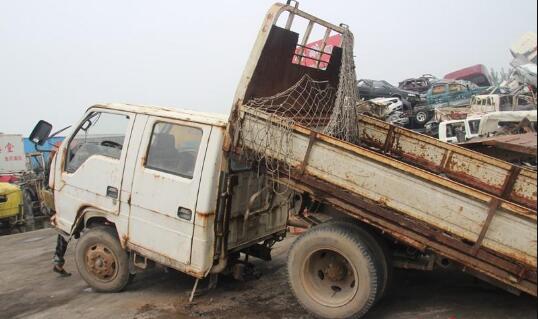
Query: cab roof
[{"x": 214, "y": 119}]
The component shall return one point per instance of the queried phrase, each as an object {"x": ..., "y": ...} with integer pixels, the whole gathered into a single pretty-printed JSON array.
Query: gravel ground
[{"x": 30, "y": 289}]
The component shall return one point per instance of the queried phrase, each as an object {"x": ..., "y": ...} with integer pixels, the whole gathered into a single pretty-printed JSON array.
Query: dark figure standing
[{"x": 59, "y": 253}]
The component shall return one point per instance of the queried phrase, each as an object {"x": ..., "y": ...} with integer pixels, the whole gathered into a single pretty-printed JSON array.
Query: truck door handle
[
  {"x": 112, "y": 192},
  {"x": 184, "y": 213}
]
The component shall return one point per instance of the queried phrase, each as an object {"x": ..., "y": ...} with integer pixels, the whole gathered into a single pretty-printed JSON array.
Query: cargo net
[{"x": 309, "y": 103}]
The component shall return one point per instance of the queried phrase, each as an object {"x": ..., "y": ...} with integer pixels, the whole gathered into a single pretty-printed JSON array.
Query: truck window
[
  {"x": 452, "y": 129},
  {"x": 474, "y": 125},
  {"x": 439, "y": 89},
  {"x": 100, "y": 134},
  {"x": 174, "y": 148}
]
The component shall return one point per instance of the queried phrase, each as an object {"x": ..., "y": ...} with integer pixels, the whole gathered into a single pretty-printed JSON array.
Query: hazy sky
[{"x": 59, "y": 57}]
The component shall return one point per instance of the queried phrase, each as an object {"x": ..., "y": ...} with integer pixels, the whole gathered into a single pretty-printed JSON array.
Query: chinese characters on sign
[
  {"x": 9, "y": 148},
  {"x": 12, "y": 158}
]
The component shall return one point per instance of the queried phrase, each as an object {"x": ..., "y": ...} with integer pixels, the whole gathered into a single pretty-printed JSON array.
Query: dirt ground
[{"x": 29, "y": 289}]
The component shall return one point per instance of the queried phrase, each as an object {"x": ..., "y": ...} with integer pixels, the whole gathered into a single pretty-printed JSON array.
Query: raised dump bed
[
  {"x": 473, "y": 209},
  {"x": 477, "y": 224}
]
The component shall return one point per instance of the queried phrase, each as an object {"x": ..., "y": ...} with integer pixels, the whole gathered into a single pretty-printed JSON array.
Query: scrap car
[
  {"x": 371, "y": 89},
  {"x": 446, "y": 93},
  {"x": 391, "y": 110},
  {"x": 421, "y": 84},
  {"x": 477, "y": 74}
]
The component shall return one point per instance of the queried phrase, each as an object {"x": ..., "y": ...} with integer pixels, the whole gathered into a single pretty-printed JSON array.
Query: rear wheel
[
  {"x": 333, "y": 273},
  {"x": 381, "y": 252},
  {"x": 101, "y": 261}
]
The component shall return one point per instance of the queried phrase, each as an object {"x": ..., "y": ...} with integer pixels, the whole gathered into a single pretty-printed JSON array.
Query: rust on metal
[
  {"x": 510, "y": 181},
  {"x": 494, "y": 204},
  {"x": 312, "y": 139},
  {"x": 124, "y": 241},
  {"x": 447, "y": 157},
  {"x": 203, "y": 217},
  {"x": 524, "y": 144},
  {"x": 389, "y": 140},
  {"x": 166, "y": 260},
  {"x": 447, "y": 166}
]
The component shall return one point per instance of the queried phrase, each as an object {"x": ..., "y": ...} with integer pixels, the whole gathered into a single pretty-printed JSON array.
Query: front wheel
[
  {"x": 101, "y": 261},
  {"x": 333, "y": 273}
]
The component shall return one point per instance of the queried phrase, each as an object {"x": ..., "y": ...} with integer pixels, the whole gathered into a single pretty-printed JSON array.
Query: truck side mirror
[{"x": 41, "y": 132}]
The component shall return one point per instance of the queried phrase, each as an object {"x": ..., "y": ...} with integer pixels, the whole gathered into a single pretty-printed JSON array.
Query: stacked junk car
[{"x": 432, "y": 173}]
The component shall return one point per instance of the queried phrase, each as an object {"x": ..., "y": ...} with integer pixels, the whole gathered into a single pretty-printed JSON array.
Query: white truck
[
  {"x": 481, "y": 125},
  {"x": 456, "y": 131},
  {"x": 196, "y": 192}
]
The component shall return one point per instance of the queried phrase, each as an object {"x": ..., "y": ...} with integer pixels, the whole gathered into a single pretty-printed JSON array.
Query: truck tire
[
  {"x": 386, "y": 257},
  {"x": 333, "y": 273},
  {"x": 101, "y": 261},
  {"x": 381, "y": 251}
]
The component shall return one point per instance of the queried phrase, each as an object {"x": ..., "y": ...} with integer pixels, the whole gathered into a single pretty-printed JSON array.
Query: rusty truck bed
[{"x": 471, "y": 208}]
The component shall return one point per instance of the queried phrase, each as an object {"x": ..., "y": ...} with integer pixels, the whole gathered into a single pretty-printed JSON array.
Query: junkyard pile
[{"x": 472, "y": 107}]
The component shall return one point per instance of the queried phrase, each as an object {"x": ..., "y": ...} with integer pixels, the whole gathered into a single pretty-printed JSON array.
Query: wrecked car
[
  {"x": 479, "y": 106},
  {"x": 446, "y": 93},
  {"x": 456, "y": 131},
  {"x": 501, "y": 103},
  {"x": 371, "y": 89},
  {"x": 477, "y": 74},
  {"x": 452, "y": 93},
  {"x": 419, "y": 85},
  {"x": 391, "y": 110},
  {"x": 483, "y": 125},
  {"x": 498, "y": 123}
]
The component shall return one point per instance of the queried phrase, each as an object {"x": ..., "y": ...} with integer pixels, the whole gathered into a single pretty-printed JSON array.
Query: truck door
[
  {"x": 93, "y": 161},
  {"x": 165, "y": 188}
]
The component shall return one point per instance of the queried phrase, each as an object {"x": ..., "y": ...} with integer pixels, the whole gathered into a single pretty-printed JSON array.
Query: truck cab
[
  {"x": 457, "y": 131},
  {"x": 156, "y": 179}
]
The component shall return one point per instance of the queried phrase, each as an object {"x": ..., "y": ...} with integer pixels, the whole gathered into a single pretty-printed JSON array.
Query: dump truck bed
[{"x": 473, "y": 209}]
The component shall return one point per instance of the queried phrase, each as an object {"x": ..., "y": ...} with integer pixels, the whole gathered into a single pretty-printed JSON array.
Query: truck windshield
[{"x": 100, "y": 134}]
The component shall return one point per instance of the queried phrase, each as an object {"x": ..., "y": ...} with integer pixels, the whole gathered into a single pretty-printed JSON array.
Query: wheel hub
[
  {"x": 330, "y": 278},
  {"x": 421, "y": 117},
  {"x": 336, "y": 271},
  {"x": 101, "y": 262}
]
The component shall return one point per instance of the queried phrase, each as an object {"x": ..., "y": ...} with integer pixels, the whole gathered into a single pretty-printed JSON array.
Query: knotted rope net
[{"x": 309, "y": 103}]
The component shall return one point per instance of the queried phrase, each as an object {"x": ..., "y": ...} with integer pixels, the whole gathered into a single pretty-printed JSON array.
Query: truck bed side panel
[{"x": 452, "y": 210}]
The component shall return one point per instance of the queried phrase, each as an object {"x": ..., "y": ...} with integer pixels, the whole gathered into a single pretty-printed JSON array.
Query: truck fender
[{"x": 86, "y": 217}]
